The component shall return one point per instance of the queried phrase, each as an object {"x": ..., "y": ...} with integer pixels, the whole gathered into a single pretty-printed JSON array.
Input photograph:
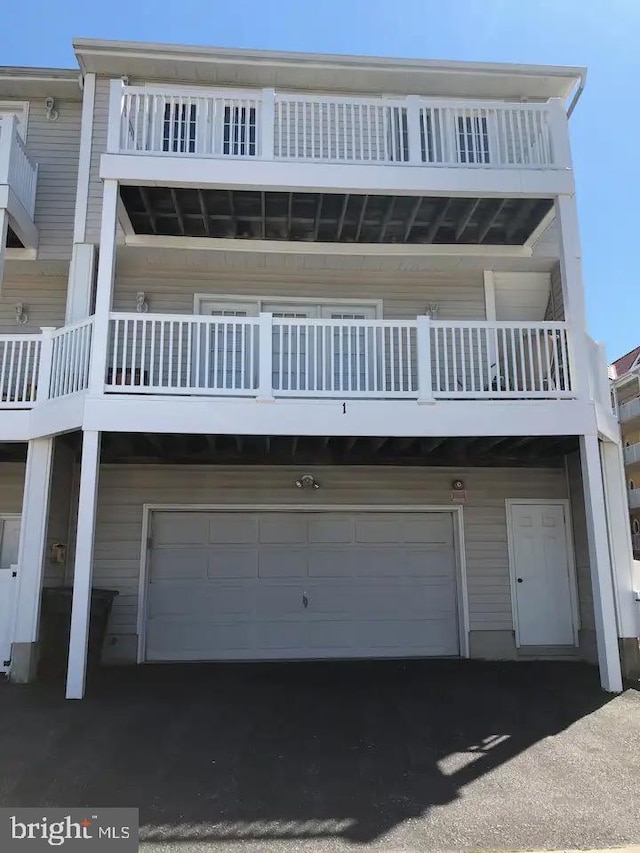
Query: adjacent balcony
[
  {"x": 629, "y": 411},
  {"x": 634, "y": 498},
  {"x": 632, "y": 454},
  {"x": 18, "y": 184},
  {"x": 635, "y": 540},
  {"x": 268, "y": 357}
]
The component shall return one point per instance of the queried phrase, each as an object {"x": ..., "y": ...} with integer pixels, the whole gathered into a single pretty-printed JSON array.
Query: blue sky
[{"x": 602, "y": 34}]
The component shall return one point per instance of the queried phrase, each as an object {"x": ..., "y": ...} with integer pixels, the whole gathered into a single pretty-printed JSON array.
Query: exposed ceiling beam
[
  {"x": 521, "y": 217},
  {"x": 350, "y": 443},
  {"x": 386, "y": 219},
  {"x": 176, "y": 205},
  {"x": 466, "y": 219},
  {"x": 378, "y": 443},
  {"x": 205, "y": 213},
  {"x": 263, "y": 214},
  {"x": 232, "y": 211},
  {"x": 343, "y": 213},
  {"x": 144, "y": 195},
  {"x": 428, "y": 445},
  {"x": 437, "y": 222},
  {"x": 365, "y": 199},
  {"x": 289, "y": 214},
  {"x": 490, "y": 220},
  {"x": 294, "y": 445},
  {"x": 316, "y": 221},
  {"x": 412, "y": 218}
]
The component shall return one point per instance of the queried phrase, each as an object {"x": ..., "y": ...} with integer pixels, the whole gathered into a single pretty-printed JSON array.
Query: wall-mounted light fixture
[
  {"x": 432, "y": 310},
  {"x": 50, "y": 107},
  {"x": 142, "y": 306},
  {"x": 307, "y": 481},
  {"x": 58, "y": 553},
  {"x": 458, "y": 492},
  {"x": 22, "y": 313}
]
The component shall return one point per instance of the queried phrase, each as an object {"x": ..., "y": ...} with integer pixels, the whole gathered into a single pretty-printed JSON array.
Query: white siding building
[{"x": 314, "y": 379}]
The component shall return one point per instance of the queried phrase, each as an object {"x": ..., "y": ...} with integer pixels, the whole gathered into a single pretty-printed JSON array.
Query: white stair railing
[
  {"x": 70, "y": 358},
  {"x": 19, "y": 363}
]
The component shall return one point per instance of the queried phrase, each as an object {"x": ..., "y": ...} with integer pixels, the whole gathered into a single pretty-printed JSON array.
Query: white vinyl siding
[
  {"x": 43, "y": 295},
  {"x": 459, "y": 295},
  {"x": 124, "y": 490},
  {"x": 55, "y": 146}
]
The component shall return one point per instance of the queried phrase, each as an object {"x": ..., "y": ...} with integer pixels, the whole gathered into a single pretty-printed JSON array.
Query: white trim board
[
  {"x": 260, "y": 301},
  {"x": 573, "y": 582},
  {"x": 460, "y": 556}
]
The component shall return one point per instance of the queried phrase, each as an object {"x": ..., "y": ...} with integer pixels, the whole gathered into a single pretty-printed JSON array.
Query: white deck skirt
[{"x": 301, "y": 585}]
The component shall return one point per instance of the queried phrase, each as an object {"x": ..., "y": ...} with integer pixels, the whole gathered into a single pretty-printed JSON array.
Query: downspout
[{"x": 578, "y": 92}]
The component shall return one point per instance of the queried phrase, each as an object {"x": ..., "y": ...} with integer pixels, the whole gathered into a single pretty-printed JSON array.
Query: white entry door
[
  {"x": 295, "y": 585},
  {"x": 542, "y": 581},
  {"x": 9, "y": 542}
]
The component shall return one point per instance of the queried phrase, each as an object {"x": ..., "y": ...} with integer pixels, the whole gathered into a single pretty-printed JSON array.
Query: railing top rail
[
  {"x": 69, "y": 327},
  {"x": 480, "y": 103},
  {"x": 541, "y": 325},
  {"x": 340, "y": 98},
  {"x": 30, "y": 336},
  {"x": 182, "y": 318},
  {"x": 204, "y": 92},
  {"x": 330, "y": 322}
]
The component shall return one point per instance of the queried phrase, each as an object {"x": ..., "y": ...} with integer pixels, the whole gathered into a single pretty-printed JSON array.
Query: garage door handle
[{"x": 305, "y": 600}]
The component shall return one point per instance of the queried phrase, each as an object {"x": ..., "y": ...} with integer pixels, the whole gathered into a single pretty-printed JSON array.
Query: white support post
[
  {"x": 413, "y": 129},
  {"x": 4, "y": 230},
  {"x": 491, "y": 317},
  {"x": 423, "y": 343},
  {"x": 83, "y": 566},
  {"x": 7, "y": 130},
  {"x": 104, "y": 287},
  {"x": 81, "y": 276},
  {"x": 33, "y": 533},
  {"x": 559, "y": 130},
  {"x": 265, "y": 357},
  {"x": 268, "y": 123},
  {"x": 615, "y": 489},
  {"x": 599, "y": 560},
  {"x": 44, "y": 367},
  {"x": 573, "y": 291},
  {"x": 114, "y": 131},
  {"x": 84, "y": 158}
]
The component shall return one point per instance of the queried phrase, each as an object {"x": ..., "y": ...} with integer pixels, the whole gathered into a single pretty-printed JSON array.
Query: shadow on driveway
[{"x": 429, "y": 755}]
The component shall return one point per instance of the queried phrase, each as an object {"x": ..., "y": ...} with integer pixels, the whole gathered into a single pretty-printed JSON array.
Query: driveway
[{"x": 414, "y": 756}]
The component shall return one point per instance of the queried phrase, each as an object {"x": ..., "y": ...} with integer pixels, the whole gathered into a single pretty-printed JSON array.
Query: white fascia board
[
  {"x": 114, "y": 413},
  {"x": 53, "y": 417},
  {"x": 15, "y": 426},
  {"x": 285, "y": 247},
  {"x": 167, "y": 171}
]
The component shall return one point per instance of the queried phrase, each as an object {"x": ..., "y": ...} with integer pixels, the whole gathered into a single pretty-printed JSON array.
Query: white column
[
  {"x": 4, "y": 230},
  {"x": 413, "y": 129},
  {"x": 33, "y": 533},
  {"x": 265, "y": 357},
  {"x": 83, "y": 566},
  {"x": 104, "y": 286},
  {"x": 615, "y": 488},
  {"x": 423, "y": 344},
  {"x": 268, "y": 123},
  {"x": 573, "y": 289},
  {"x": 601, "y": 576},
  {"x": 81, "y": 278}
]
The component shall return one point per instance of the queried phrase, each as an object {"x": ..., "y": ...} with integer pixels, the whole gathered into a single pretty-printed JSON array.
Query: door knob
[
  {"x": 519, "y": 580},
  {"x": 305, "y": 600}
]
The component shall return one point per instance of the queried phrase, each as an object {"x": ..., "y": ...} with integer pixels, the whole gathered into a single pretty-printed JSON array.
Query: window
[
  {"x": 179, "y": 128},
  {"x": 473, "y": 139},
  {"x": 239, "y": 131}
]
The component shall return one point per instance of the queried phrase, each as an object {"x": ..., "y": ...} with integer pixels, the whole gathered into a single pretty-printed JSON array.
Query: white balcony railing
[
  {"x": 635, "y": 541},
  {"x": 268, "y": 125},
  {"x": 627, "y": 411},
  {"x": 634, "y": 498},
  {"x": 632, "y": 454},
  {"x": 374, "y": 359},
  {"x": 19, "y": 367},
  {"x": 16, "y": 168}
]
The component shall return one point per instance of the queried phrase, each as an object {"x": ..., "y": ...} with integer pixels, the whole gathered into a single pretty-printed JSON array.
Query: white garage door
[{"x": 286, "y": 585}]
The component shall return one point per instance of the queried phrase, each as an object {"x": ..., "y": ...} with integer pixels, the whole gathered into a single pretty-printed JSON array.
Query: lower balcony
[
  {"x": 18, "y": 184},
  {"x": 276, "y": 357},
  {"x": 634, "y": 498}
]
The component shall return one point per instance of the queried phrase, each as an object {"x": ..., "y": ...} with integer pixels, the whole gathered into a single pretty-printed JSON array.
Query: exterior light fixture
[
  {"x": 22, "y": 313},
  {"x": 307, "y": 481},
  {"x": 142, "y": 306}
]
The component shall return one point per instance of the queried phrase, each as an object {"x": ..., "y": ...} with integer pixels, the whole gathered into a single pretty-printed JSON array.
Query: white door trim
[
  {"x": 458, "y": 538},
  {"x": 573, "y": 583},
  {"x": 257, "y": 302}
]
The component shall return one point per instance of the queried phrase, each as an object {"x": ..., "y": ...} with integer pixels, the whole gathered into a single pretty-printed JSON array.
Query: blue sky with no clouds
[{"x": 602, "y": 34}]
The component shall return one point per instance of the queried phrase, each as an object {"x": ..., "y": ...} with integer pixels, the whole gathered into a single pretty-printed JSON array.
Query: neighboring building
[
  {"x": 625, "y": 381},
  {"x": 320, "y": 384}
]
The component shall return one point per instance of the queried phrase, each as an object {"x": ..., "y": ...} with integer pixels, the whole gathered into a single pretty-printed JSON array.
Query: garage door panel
[
  {"x": 232, "y": 563},
  {"x": 330, "y": 530},
  {"x": 180, "y": 528},
  {"x": 234, "y": 585},
  {"x": 200, "y": 600},
  {"x": 283, "y": 528},
  {"x": 233, "y": 529},
  {"x": 283, "y": 563},
  {"x": 167, "y": 562}
]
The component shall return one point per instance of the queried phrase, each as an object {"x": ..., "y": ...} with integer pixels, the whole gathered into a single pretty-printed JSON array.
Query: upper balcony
[
  {"x": 264, "y": 137},
  {"x": 18, "y": 183}
]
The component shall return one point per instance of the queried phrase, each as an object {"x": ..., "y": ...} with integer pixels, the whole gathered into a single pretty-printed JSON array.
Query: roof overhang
[
  {"x": 224, "y": 66},
  {"x": 40, "y": 82}
]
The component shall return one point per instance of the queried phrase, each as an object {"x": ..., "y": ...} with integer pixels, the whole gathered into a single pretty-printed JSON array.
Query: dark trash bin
[{"x": 55, "y": 628}]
